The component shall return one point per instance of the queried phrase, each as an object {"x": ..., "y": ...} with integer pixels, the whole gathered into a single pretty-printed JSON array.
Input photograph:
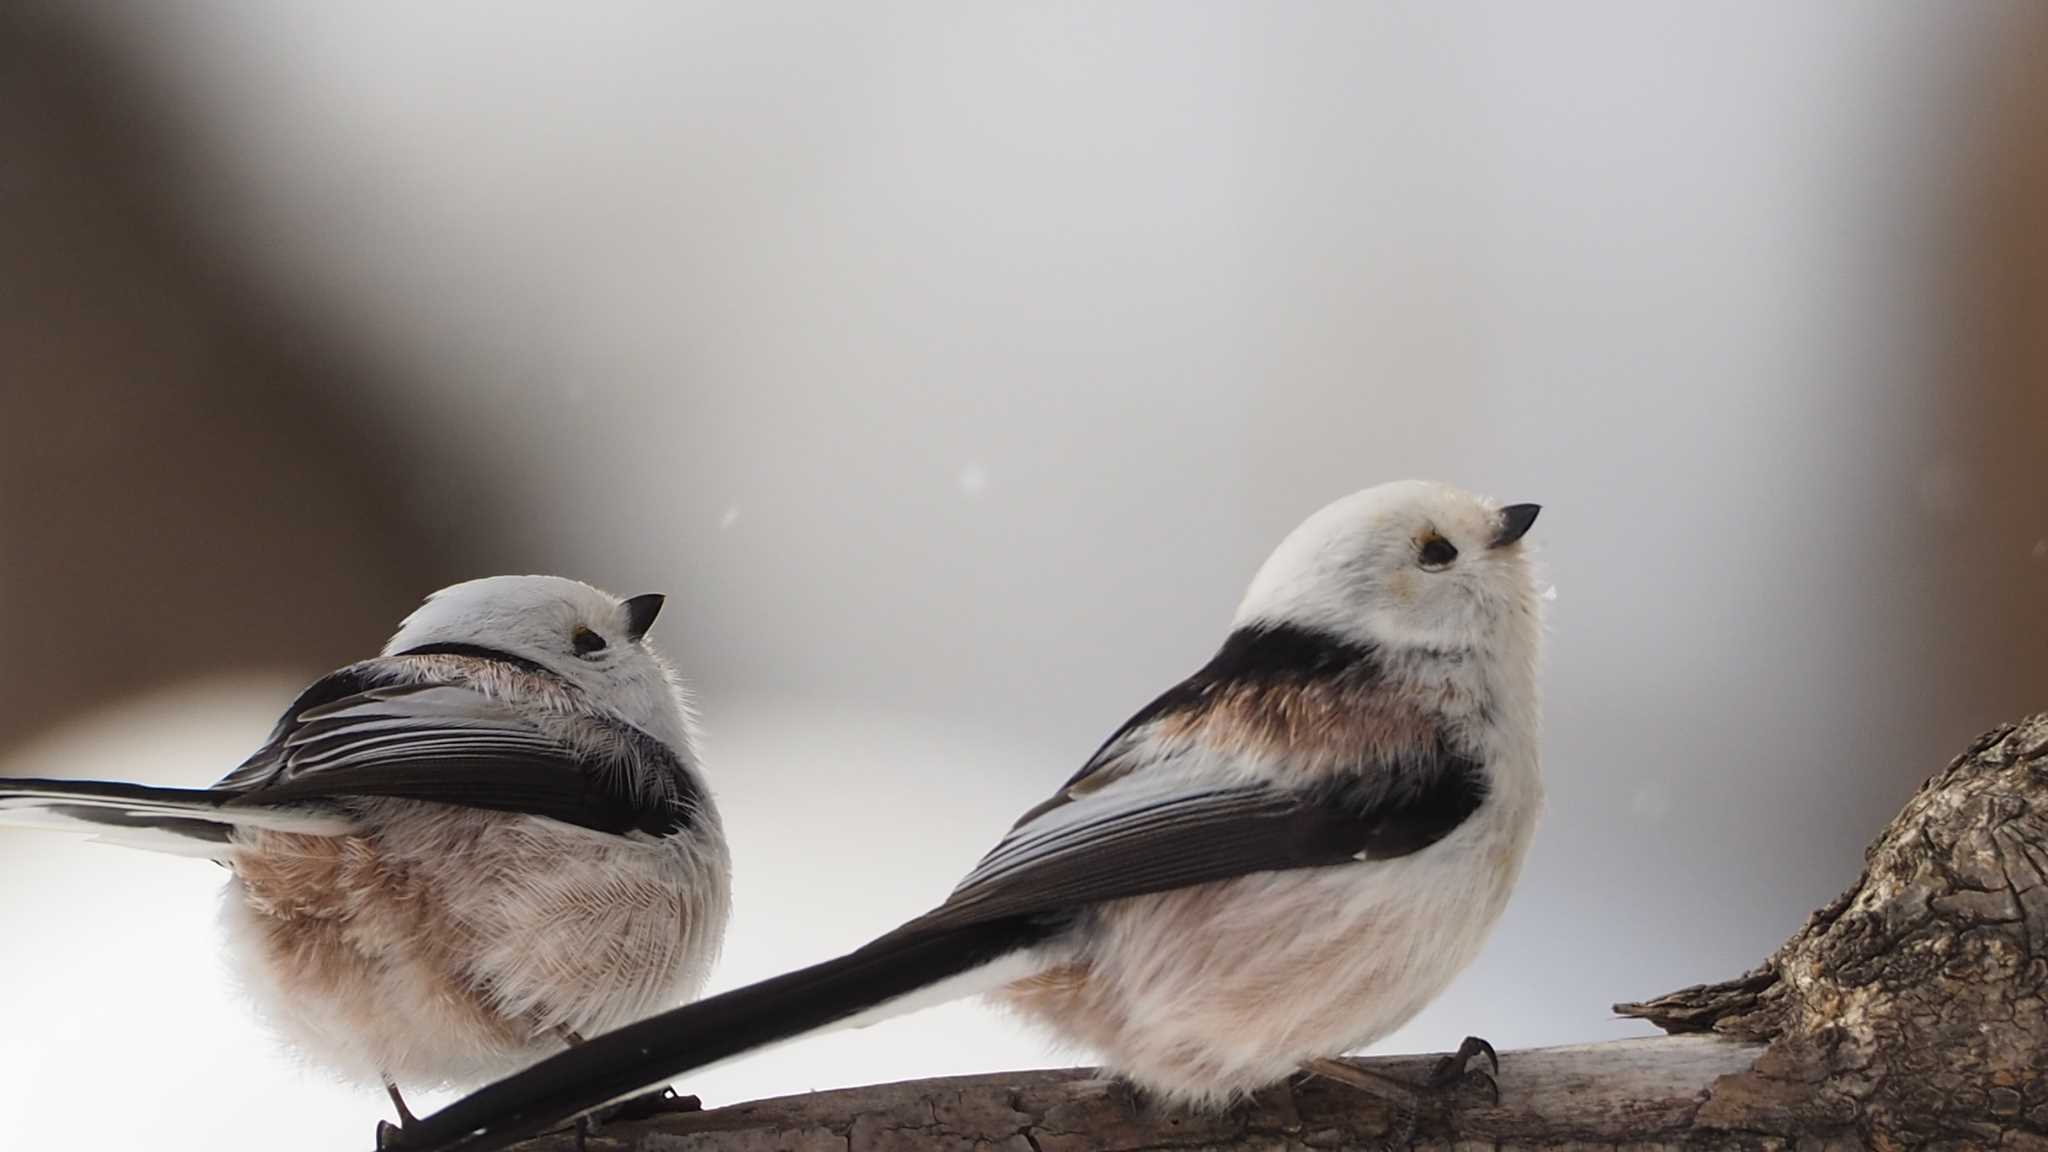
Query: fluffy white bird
[
  {"x": 455, "y": 858},
  {"x": 1281, "y": 859}
]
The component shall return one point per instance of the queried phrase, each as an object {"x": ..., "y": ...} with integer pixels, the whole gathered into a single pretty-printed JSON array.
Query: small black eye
[
  {"x": 1438, "y": 552},
  {"x": 587, "y": 642}
]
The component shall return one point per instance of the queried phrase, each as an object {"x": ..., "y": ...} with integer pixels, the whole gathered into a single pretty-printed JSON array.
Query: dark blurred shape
[
  {"x": 1996, "y": 395},
  {"x": 188, "y": 481}
]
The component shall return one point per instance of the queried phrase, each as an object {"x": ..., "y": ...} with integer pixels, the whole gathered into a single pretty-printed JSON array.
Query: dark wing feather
[
  {"x": 1116, "y": 844},
  {"x": 1265, "y": 655},
  {"x": 1117, "y": 756},
  {"x": 1111, "y": 847},
  {"x": 1111, "y": 762},
  {"x": 354, "y": 735},
  {"x": 344, "y": 682}
]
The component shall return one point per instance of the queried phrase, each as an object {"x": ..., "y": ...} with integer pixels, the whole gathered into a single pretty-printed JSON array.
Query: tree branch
[
  {"x": 1912, "y": 1011},
  {"x": 1628, "y": 1090}
]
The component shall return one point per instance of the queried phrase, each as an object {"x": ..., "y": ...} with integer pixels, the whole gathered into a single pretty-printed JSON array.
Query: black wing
[
  {"x": 1272, "y": 655},
  {"x": 1130, "y": 841},
  {"x": 355, "y": 734}
]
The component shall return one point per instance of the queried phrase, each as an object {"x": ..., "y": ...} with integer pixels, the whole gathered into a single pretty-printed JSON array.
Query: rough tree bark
[{"x": 1912, "y": 1012}]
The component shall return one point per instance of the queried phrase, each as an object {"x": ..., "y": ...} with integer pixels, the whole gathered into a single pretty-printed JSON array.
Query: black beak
[
  {"x": 1514, "y": 521},
  {"x": 640, "y": 614}
]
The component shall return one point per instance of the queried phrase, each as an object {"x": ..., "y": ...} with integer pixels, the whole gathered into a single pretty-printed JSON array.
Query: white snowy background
[{"x": 953, "y": 366}]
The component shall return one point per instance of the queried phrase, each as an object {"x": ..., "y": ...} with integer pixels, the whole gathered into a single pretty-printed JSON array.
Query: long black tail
[
  {"x": 191, "y": 821},
  {"x": 620, "y": 1063}
]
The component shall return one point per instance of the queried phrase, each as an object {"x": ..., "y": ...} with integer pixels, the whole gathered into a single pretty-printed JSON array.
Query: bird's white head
[
  {"x": 1409, "y": 564},
  {"x": 590, "y": 638}
]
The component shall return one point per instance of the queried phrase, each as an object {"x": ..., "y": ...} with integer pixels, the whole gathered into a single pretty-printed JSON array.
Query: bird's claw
[
  {"x": 659, "y": 1103},
  {"x": 389, "y": 1136},
  {"x": 1483, "y": 1079},
  {"x": 1454, "y": 1070}
]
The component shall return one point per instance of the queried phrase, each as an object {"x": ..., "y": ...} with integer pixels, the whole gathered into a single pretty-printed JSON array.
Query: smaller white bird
[
  {"x": 1279, "y": 860},
  {"x": 457, "y": 857}
]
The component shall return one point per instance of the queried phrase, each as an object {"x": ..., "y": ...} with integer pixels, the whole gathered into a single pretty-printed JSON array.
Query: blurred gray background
[{"x": 952, "y": 367}]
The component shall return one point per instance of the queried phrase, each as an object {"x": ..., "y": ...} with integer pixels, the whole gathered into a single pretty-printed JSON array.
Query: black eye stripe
[
  {"x": 1437, "y": 552},
  {"x": 586, "y": 642}
]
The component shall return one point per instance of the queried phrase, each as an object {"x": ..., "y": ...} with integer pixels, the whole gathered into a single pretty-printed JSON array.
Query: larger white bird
[
  {"x": 462, "y": 855},
  {"x": 1281, "y": 859}
]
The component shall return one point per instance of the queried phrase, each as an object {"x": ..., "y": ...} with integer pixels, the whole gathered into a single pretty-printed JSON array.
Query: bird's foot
[
  {"x": 391, "y": 1135},
  {"x": 658, "y": 1103},
  {"x": 1398, "y": 1096},
  {"x": 1454, "y": 1071},
  {"x": 1379, "y": 1085},
  {"x": 1452, "y": 1074}
]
